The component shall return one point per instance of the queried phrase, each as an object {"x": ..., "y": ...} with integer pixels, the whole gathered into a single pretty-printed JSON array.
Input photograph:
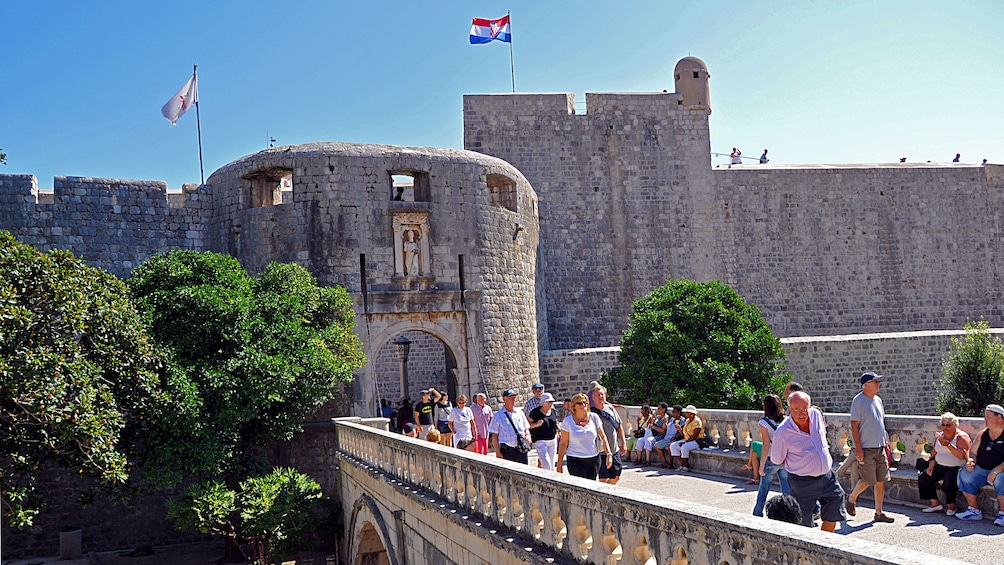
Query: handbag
[
  {"x": 639, "y": 433},
  {"x": 522, "y": 445}
]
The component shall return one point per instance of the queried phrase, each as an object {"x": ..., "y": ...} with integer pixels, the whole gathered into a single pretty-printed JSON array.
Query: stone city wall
[
  {"x": 827, "y": 366},
  {"x": 113, "y": 224},
  {"x": 629, "y": 200}
]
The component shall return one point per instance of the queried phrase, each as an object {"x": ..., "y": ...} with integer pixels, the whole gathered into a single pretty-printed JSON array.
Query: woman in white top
[
  {"x": 461, "y": 421},
  {"x": 948, "y": 455},
  {"x": 579, "y": 432}
]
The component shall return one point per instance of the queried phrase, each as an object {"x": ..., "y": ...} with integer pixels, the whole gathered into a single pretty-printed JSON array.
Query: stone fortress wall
[{"x": 629, "y": 200}]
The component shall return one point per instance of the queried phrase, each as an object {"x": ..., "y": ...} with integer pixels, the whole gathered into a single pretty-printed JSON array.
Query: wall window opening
[
  {"x": 501, "y": 191},
  {"x": 410, "y": 186},
  {"x": 269, "y": 187}
]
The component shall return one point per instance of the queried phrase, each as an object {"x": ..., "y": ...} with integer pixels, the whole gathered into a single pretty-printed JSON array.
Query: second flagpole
[
  {"x": 512, "y": 70},
  {"x": 198, "y": 122}
]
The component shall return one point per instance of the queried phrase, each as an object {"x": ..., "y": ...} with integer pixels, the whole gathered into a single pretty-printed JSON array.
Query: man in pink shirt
[{"x": 800, "y": 445}]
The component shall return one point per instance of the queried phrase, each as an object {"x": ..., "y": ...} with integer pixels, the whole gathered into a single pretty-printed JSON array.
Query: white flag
[{"x": 182, "y": 101}]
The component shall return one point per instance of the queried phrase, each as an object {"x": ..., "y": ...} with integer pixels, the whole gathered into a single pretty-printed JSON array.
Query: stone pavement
[{"x": 940, "y": 535}]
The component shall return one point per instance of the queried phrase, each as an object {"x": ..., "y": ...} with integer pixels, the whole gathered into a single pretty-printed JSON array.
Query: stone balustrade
[
  {"x": 591, "y": 522},
  {"x": 735, "y": 429}
]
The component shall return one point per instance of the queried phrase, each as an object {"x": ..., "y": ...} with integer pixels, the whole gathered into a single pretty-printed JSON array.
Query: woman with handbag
[{"x": 580, "y": 431}]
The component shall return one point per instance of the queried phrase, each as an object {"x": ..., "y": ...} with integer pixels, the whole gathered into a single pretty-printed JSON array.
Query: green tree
[
  {"x": 696, "y": 343},
  {"x": 274, "y": 509},
  {"x": 973, "y": 374},
  {"x": 77, "y": 373},
  {"x": 247, "y": 358}
]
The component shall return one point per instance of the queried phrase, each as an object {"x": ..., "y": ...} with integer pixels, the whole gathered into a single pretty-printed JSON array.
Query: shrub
[
  {"x": 697, "y": 343},
  {"x": 973, "y": 374}
]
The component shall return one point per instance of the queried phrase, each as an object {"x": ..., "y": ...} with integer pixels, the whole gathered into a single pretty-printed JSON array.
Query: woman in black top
[{"x": 544, "y": 431}]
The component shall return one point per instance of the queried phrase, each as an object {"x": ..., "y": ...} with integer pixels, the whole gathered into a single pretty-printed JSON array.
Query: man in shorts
[
  {"x": 800, "y": 445},
  {"x": 870, "y": 440}
]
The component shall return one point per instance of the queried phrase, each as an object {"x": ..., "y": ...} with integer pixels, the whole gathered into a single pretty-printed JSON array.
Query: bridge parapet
[{"x": 591, "y": 522}]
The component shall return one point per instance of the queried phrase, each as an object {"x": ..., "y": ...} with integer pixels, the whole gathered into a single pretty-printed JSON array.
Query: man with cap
[
  {"x": 870, "y": 441},
  {"x": 534, "y": 401},
  {"x": 985, "y": 465},
  {"x": 506, "y": 425}
]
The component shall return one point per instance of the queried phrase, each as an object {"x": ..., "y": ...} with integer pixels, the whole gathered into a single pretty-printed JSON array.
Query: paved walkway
[{"x": 937, "y": 534}]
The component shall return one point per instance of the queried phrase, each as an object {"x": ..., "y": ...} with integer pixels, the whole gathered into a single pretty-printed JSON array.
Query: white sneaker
[
  {"x": 930, "y": 509},
  {"x": 971, "y": 514},
  {"x": 1000, "y": 519},
  {"x": 950, "y": 512},
  {"x": 685, "y": 469}
]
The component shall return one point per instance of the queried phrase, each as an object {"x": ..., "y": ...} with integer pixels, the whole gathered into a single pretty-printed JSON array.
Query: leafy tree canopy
[
  {"x": 76, "y": 368},
  {"x": 247, "y": 358},
  {"x": 696, "y": 343},
  {"x": 973, "y": 374}
]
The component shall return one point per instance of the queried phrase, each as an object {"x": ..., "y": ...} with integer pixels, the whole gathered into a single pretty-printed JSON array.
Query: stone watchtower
[
  {"x": 692, "y": 76},
  {"x": 438, "y": 248}
]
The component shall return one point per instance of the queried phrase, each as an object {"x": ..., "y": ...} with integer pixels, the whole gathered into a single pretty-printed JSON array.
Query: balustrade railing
[{"x": 594, "y": 522}]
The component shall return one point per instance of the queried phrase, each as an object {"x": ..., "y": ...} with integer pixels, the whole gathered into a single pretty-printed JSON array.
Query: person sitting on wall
[
  {"x": 948, "y": 455},
  {"x": 693, "y": 434},
  {"x": 642, "y": 429},
  {"x": 673, "y": 431},
  {"x": 763, "y": 158},
  {"x": 985, "y": 465},
  {"x": 661, "y": 423}
]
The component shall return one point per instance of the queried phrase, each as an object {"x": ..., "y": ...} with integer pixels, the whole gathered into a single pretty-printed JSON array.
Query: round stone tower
[
  {"x": 438, "y": 248},
  {"x": 692, "y": 82}
]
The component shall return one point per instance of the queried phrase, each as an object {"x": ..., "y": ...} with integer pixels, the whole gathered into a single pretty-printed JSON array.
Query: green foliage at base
[
  {"x": 78, "y": 375},
  {"x": 247, "y": 358},
  {"x": 697, "y": 343},
  {"x": 973, "y": 374},
  {"x": 273, "y": 511}
]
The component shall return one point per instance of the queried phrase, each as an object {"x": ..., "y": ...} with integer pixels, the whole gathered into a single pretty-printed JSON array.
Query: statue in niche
[{"x": 412, "y": 252}]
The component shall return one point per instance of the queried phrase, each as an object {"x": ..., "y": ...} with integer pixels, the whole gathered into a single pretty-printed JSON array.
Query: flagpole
[
  {"x": 512, "y": 70},
  {"x": 198, "y": 122}
]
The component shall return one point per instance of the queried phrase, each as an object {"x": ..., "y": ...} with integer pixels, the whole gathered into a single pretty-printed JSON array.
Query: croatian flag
[{"x": 486, "y": 31}]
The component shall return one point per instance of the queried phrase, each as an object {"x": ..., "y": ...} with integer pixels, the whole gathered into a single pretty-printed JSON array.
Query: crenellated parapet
[{"x": 114, "y": 224}]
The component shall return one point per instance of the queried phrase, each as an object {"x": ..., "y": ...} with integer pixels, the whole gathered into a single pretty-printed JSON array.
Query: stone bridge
[{"x": 410, "y": 502}]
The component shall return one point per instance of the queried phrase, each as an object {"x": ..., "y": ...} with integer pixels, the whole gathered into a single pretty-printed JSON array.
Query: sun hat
[
  {"x": 691, "y": 409},
  {"x": 546, "y": 397}
]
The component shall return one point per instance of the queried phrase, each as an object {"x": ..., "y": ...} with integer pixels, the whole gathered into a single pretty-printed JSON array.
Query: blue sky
[{"x": 82, "y": 82}]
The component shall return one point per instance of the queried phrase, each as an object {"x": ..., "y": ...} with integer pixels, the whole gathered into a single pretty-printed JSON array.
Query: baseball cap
[
  {"x": 409, "y": 428},
  {"x": 546, "y": 397},
  {"x": 508, "y": 392},
  {"x": 870, "y": 376},
  {"x": 537, "y": 386},
  {"x": 995, "y": 408},
  {"x": 425, "y": 392}
]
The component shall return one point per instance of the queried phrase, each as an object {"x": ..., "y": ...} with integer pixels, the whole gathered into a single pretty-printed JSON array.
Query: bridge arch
[{"x": 369, "y": 538}]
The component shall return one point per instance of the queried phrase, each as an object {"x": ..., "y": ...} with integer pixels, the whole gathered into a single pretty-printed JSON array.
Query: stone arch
[
  {"x": 369, "y": 537},
  {"x": 446, "y": 327}
]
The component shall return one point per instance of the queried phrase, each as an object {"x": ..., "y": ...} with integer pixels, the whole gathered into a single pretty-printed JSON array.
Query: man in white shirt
[{"x": 508, "y": 423}]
